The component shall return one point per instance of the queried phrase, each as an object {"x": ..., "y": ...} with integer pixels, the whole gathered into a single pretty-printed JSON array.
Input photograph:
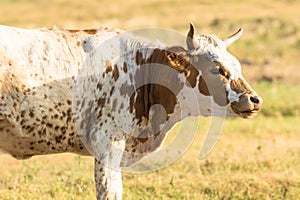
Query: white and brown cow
[{"x": 93, "y": 92}]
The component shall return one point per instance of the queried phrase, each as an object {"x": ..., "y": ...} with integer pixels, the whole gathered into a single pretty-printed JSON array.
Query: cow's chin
[{"x": 248, "y": 114}]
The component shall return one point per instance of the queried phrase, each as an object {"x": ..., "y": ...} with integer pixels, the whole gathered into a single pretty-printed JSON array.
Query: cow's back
[{"x": 37, "y": 73}]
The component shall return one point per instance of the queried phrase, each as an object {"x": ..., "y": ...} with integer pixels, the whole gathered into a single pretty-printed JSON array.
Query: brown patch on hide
[
  {"x": 125, "y": 67},
  {"x": 240, "y": 86},
  {"x": 180, "y": 61},
  {"x": 203, "y": 89},
  {"x": 90, "y": 31},
  {"x": 149, "y": 95},
  {"x": 108, "y": 67},
  {"x": 192, "y": 76},
  {"x": 73, "y": 31},
  {"x": 115, "y": 72},
  {"x": 139, "y": 58}
]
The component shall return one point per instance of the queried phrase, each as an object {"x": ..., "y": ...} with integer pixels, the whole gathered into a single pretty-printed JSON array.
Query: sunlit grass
[
  {"x": 254, "y": 159},
  {"x": 279, "y": 99}
]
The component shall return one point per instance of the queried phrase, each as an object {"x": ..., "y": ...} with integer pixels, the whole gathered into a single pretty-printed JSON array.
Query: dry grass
[
  {"x": 255, "y": 159},
  {"x": 268, "y": 49}
]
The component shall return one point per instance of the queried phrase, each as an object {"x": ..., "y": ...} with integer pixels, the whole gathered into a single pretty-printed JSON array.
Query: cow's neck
[
  {"x": 163, "y": 95},
  {"x": 179, "y": 91}
]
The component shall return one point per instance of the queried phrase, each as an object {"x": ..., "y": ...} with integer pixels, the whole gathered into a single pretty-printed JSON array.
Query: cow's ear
[{"x": 177, "y": 57}]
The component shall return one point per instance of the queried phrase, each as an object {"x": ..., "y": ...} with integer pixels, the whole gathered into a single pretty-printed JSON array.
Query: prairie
[{"x": 254, "y": 159}]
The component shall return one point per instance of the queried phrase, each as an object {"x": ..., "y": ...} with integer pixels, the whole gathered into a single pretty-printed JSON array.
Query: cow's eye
[
  {"x": 218, "y": 71},
  {"x": 221, "y": 71}
]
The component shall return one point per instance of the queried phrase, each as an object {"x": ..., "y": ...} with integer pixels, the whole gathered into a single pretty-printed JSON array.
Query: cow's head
[{"x": 218, "y": 72}]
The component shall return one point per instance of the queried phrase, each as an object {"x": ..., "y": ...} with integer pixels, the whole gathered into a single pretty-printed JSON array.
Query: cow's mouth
[
  {"x": 249, "y": 113},
  {"x": 248, "y": 106}
]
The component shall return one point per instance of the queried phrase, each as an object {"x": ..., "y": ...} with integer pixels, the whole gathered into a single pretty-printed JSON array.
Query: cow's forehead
[
  {"x": 214, "y": 49},
  {"x": 230, "y": 62},
  {"x": 208, "y": 41}
]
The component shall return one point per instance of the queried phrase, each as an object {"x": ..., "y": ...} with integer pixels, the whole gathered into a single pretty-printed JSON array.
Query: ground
[{"x": 254, "y": 159}]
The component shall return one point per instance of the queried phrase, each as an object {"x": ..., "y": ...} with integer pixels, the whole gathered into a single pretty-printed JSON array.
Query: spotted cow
[{"x": 110, "y": 94}]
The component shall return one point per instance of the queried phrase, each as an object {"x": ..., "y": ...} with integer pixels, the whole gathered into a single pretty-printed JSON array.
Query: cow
[{"x": 109, "y": 94}]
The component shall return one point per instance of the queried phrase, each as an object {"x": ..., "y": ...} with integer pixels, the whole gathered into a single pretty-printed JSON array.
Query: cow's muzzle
[{"x": 248, "y": 105}]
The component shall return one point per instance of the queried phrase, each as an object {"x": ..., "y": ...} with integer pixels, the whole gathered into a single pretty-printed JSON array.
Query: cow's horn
[
  {"x": 191, "y": 42},
  {"x": 231, "y": 39}
]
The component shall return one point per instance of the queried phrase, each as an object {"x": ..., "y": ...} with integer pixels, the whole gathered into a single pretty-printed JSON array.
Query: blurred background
[{"x": 254, "y": 159}]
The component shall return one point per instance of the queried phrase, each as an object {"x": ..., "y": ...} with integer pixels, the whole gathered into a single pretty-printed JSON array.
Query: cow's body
[
  {"x": 35, "y": 77},
  {"x": 86, "y": 93}
]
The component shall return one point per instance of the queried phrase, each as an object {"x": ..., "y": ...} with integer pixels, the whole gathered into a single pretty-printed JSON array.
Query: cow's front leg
[{"x": 108, "y": 176}]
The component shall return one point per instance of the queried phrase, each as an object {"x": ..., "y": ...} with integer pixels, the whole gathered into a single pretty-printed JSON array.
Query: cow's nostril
[{"x": 254, "y": 100}]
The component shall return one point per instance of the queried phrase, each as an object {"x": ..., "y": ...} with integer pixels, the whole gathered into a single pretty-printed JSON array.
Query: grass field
[{"x": 254, "y": 159}]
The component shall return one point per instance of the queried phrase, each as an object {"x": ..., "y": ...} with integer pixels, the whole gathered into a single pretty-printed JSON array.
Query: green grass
[{"x": 280, "y": 99}]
